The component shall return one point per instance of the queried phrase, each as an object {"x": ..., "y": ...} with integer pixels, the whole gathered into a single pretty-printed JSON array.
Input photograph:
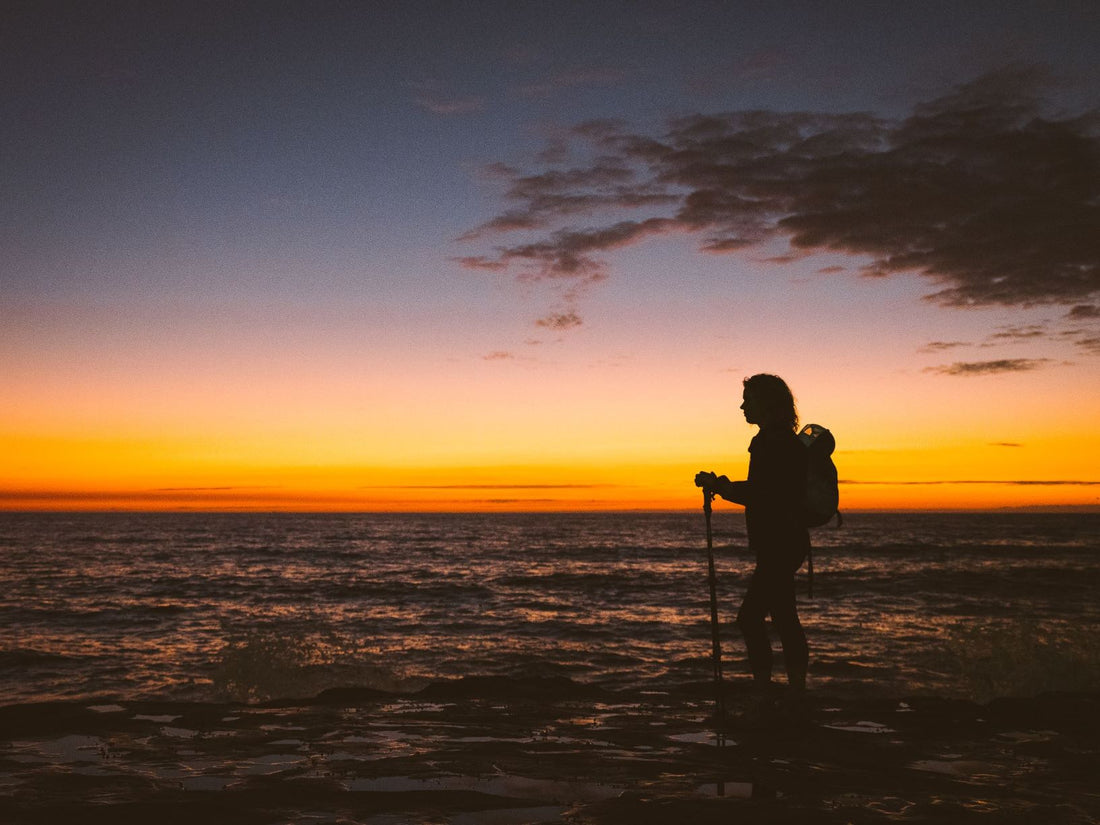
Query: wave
[
  {"x": 266, "y": 666},
  {"x": 30, "y": 657}
]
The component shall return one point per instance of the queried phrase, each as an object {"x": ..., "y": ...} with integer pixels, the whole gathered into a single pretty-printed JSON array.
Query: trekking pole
[{"x": 716, "y": 642}]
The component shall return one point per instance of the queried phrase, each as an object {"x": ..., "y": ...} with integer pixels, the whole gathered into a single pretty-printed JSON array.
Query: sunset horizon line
[{"x": 501, "y": 510}]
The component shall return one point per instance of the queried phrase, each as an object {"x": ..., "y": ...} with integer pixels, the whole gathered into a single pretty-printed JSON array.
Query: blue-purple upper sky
[{"x": 172, "y": 147}]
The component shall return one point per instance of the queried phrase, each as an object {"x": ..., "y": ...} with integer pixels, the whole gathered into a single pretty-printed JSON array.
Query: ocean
[{"x": 255, "y": 607}]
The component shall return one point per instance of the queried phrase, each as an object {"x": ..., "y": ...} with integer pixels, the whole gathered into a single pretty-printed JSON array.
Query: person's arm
[{"x": 735, "y": 491}]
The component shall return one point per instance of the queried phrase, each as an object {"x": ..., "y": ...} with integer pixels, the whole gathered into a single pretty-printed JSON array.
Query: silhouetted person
[{"x": 773, "y": 496}]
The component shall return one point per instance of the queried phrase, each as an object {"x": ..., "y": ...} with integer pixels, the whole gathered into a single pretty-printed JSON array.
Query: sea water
[{"x": 249, "y": 607}]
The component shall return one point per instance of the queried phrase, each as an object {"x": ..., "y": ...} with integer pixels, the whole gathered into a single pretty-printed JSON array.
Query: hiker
[{"x": 773, "y": 497}]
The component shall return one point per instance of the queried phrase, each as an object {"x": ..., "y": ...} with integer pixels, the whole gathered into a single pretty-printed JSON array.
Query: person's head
[{"x": 768, "y": 402}]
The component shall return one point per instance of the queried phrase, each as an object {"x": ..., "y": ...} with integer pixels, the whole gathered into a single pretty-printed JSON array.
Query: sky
[{"x": 520, "y": 255}]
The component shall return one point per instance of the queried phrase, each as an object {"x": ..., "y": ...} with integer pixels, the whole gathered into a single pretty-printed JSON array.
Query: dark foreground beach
[
  {"x": 487, "y": 753},
  {"x": 535, "y": 668}
]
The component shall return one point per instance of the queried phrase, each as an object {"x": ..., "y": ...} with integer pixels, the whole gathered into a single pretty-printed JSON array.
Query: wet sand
[{"x": 482, "y": 753}]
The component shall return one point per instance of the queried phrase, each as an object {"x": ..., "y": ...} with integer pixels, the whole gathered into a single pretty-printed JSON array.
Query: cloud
[
  {"x": 1089, "y": 343},
  {"x": 566, "y": 254},
  {"x": 989, "y": 367},
  {"x": 1083, "y": 312},
  {"x": 979, "y": 192},
  {"x": 554, "y": 194},
  {"x": 560, "y": 320},
  {"x": 941, "y": 346},
  {"x": 498, "y": 355},
  {"x": 481, "y": 262},
  {"x": 1084, "y": 338},
  {"x": 1015, "y": 334},
  {"x": 1005, "y": 444}
]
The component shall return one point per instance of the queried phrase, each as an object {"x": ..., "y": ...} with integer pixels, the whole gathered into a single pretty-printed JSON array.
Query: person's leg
[
  {"x": 751, "y": 620},
  {"x": 784, "y": 611}
]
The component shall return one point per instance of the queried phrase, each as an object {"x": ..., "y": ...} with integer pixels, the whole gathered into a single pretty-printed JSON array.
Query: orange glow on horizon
[
  {"x": 506, "y": 489},
  {"x": 535, "y": 439}
]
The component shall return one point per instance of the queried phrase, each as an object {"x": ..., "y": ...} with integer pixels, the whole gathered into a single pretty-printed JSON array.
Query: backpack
[{"x": 822, "y": 491}]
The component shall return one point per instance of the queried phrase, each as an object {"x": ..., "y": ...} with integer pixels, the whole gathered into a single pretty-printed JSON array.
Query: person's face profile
[{"x": 750, "y": 406}]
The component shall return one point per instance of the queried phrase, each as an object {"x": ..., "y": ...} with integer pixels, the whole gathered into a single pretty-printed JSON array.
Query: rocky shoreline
[{"x": 478, "y": 754}]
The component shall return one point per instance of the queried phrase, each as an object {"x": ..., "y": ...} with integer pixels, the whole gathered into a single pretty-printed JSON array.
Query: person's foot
[
  {"x": 794, "y": 707},
  {"x": 758, "y": 712}
]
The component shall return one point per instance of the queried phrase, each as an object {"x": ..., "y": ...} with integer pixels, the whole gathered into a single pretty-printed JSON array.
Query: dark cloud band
[
  {"x": 975, "y": 191},
  {"x": 989, "y": 367}
]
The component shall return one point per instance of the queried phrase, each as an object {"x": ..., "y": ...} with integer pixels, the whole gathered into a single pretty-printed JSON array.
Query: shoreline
[{"x": 475, "y": 753}]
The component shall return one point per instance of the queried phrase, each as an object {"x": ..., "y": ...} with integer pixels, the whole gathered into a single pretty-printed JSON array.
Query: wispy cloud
[
  {"x": 560, "y": 321},
  {"x": 1086, "y": 341},
  {"x": 1084, "y": 337},
  {"x": 942, "y": 346},
  {"x": 1016, "y": 334},
  {"x": 481, "y": 262},
  {"x": 989, "y": 367},
  {"x": 1083, "y": 312},
  {"x": 567, "y": 253},
  {"x": 977, "y": 191}
]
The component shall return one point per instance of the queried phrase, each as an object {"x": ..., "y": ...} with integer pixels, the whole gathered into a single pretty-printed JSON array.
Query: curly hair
[{"x": 775, "y": 397}]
